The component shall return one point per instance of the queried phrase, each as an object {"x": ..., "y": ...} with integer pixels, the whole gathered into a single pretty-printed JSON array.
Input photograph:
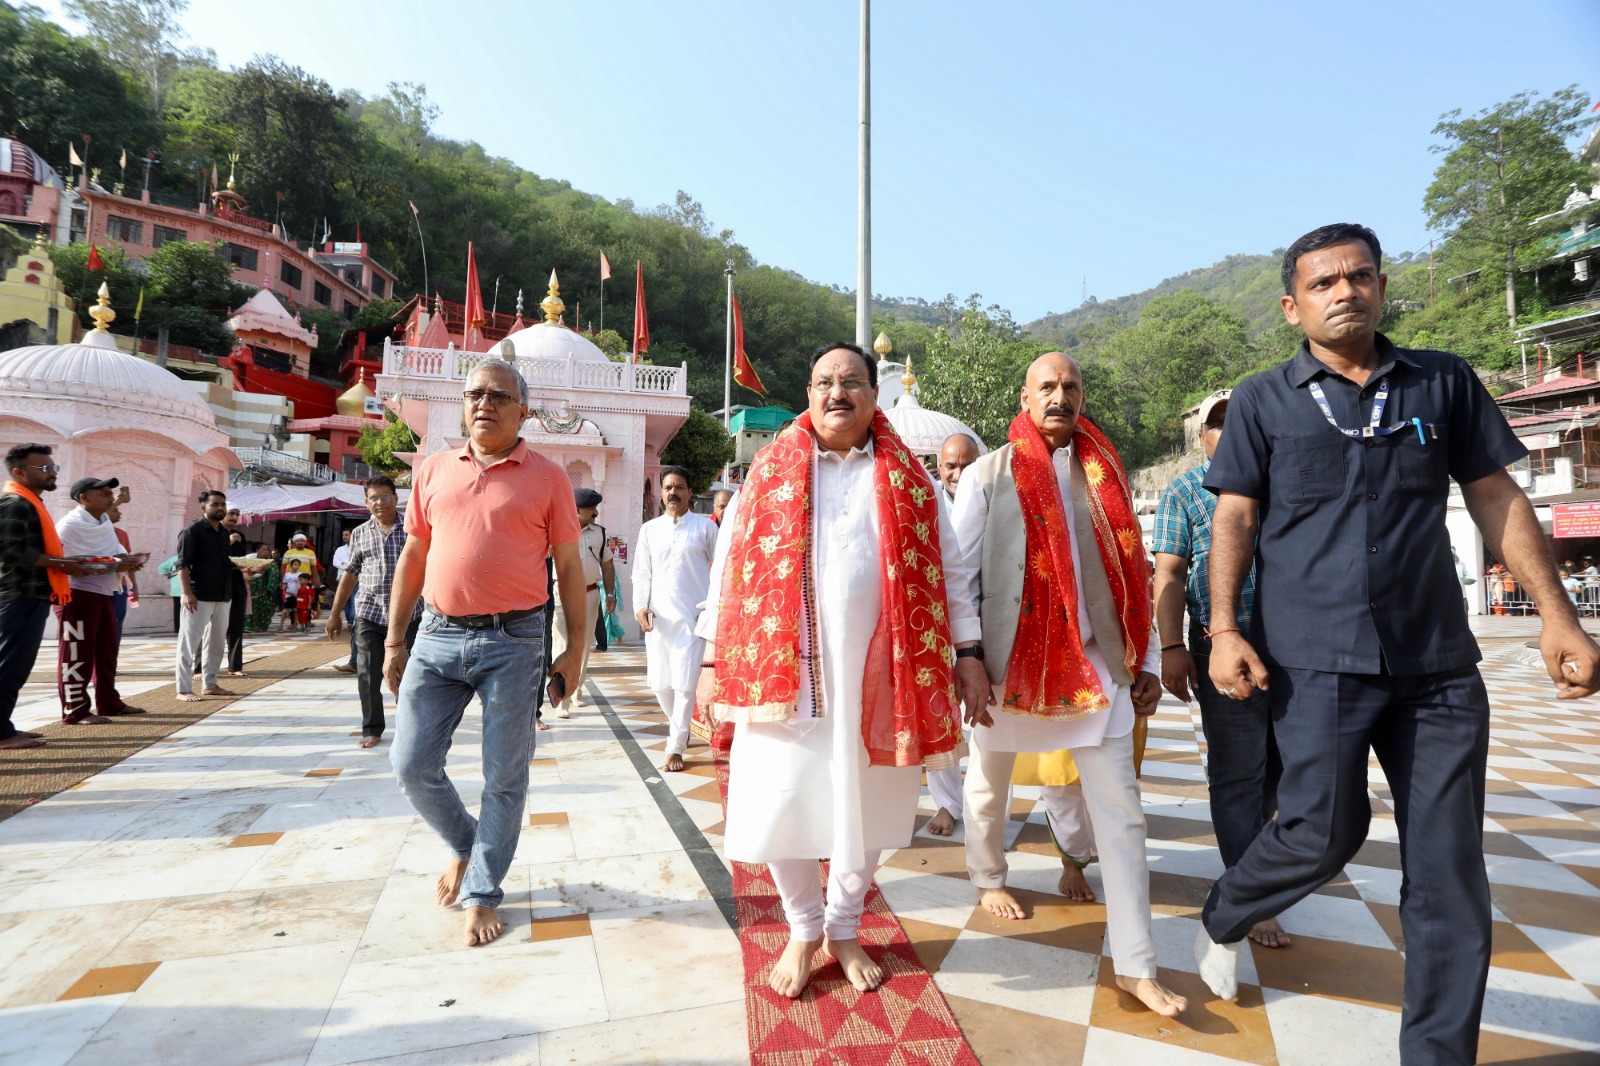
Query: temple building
[
  {"x": 923, "y": 431},
  {"x": 106, "y": 413},
  {"x": 604, "y": 422},
  {"x": 33, "y": 309}
]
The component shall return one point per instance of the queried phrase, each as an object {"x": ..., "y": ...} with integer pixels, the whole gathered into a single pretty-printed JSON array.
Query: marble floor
[{"x": 256, "y": 890}]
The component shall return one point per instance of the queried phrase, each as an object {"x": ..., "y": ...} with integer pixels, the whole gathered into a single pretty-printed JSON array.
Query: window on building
[
  {"x": 237, "y": 254},
  {"x": 353, "y": 275},
  {"x": 162, "y": 234},
  {"x": 350, "y": 310},
  {"x": 321, "y": 293},
  {"x": 124, "y": 229},
  {"x": 355, "y": 469},
  {"x": 377, "y": 285},
  {"x": 289, "y": 274}
]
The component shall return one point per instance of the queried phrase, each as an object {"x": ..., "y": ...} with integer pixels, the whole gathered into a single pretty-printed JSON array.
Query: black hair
[
  {"x": 668, "y": 471},
  {"x": 1326, "y": 237},
  {"x": 18, "y": 454},
  {"x": 380, "y": 481},
  {"x": 833, "y": 346},
  {"x": 206, "y": 494}
]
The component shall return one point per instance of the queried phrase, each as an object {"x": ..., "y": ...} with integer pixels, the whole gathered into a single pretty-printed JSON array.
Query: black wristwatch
[{"x": 974, "y": 652}]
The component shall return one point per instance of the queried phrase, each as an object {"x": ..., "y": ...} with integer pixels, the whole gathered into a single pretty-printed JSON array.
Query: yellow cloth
[{"x": 1057, "y": 767}]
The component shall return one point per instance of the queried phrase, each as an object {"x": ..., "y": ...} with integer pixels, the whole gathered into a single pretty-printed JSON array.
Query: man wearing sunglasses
[
  {"x": 33, "y": 575},
  {"x": 478, "y": 528}
]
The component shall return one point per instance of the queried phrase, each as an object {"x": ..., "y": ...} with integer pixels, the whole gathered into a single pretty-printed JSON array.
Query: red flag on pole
[
  {"x": 744, "y": 372},
  {"x": 94, "y": 262},
  {"x": 475, "y": 318},
  {"x": 641, "y": 324},
  {"x": 605, "y": 267}
]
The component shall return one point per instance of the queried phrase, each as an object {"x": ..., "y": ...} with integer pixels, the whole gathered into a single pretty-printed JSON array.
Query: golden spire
[
  {"x": 233, "y": 161},
  {"x": 908, "y": 379},
  {"x": 883, "y": 346},
  {"x": 101, "y": 312},
  {"x": 551, "y": 304},
  {"x": 41, "y": 242}
]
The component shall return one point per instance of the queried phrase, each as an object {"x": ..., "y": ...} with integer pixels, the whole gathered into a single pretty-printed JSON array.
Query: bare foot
[
  {"x": 126, "y": 708},
  {"x": 483, "y": 926},
  {"x": 563, "y": 711},
  {"x": 673, "y": 764},
  {"x": 90, "y": 719},
  {"x": 21, "y": 740},
  {"x": 1000, "y": 903},
  {"x": 792, "y": 971},
  {"x": 1073, "y": 884},
  {"x": 541, "y": 725},
  {"x": 237, "y": 673},
  {"x": 942, "y": 824},
  {"x": 859, "y": 969},
  {"x": 1150, "y": 992},
  {"x": 1269, "y": 934},
  {"x": 449, "y": 884},
  {"x": 215, "y": 690},
  {"x": 188, "y": 697},
  {"x": 367, "y": 742}
]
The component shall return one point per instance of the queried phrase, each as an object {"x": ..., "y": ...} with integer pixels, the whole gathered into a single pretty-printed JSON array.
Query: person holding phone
[{"x": 479, "y": 525}]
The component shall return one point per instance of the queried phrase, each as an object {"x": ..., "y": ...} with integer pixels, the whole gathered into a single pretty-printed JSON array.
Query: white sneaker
[{"x": 563, "y": 710}]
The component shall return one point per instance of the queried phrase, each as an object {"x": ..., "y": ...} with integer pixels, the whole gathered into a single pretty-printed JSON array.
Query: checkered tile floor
[{"x": 1040, "y": 990}]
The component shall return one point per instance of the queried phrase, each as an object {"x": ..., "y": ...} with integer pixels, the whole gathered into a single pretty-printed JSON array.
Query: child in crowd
[
  {"x": 305, "y": 601},
  {"x": 291, "y": 594}
]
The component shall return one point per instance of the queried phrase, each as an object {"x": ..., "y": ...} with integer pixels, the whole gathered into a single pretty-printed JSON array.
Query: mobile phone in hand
[{"x": 558, "y": 688}]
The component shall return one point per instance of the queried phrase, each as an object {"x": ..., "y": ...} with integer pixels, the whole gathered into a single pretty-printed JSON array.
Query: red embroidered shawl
[
  {"x": 1048, "y": 675},
  {"x": 909, "y": 710}
]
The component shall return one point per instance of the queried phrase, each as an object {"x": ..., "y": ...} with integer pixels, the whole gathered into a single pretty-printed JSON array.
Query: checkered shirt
[
  {"x": 373, "y": 558},
  {"x": 21, "y": 544},
  {"x": 1183, "y": 528}
]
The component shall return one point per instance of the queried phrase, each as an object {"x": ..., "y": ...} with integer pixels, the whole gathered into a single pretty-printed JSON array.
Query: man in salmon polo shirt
[{"x": 478, "y": 527}]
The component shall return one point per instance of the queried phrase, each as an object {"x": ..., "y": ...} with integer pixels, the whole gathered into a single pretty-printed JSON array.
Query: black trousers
[
  {"x": 369, "y": 637},
  {"x": 1431, "y": 735},
  {"x": 236, "y": 613}
]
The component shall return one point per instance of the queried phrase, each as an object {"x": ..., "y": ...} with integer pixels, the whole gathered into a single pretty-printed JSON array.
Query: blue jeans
[
  {"x": 450, "y": 664},
  {"x": 21, "y": 629},
  {"x": 1242, "y": 762}
]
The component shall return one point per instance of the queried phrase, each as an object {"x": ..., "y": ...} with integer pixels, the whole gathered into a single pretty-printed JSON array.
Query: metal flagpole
[
  {"x": 417, "y": 217},
  {"x": 864, "y": 189},
  {"x": 727, "y": 370},
  {"x": 602, "y": 304}
]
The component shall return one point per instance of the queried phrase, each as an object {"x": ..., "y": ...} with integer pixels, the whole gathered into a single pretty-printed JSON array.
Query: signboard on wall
[
  {"x": 372, "y": 405},
  {"x": 1575, "y": 520},
  {"x": 1539, "y": 441}
]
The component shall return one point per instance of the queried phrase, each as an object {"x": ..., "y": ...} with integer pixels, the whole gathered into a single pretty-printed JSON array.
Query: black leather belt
[{"x": 485, "y": 621}]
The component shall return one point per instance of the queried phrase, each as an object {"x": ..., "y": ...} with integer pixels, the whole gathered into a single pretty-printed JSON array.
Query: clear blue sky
[{"x": 1018, "y": 147}]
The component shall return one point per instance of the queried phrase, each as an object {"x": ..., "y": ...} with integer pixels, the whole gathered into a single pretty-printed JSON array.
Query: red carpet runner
[{"x": 906, "y": 1022}]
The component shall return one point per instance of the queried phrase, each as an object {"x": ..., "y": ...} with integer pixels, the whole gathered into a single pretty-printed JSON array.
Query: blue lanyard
[{"x": 1373, "y": 428}]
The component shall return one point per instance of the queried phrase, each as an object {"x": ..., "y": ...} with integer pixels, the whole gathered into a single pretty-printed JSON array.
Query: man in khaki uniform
[{"x": 597, "y": 567}]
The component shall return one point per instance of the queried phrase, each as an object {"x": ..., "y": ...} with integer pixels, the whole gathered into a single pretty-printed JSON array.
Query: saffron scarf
[
  {"x": 1049, "y": 676},
  {"x": 60, "y": 588},
  {"x": 908, "y": 698}
]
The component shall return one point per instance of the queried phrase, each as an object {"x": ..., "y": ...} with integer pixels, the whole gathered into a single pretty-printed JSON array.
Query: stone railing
[
  {"x": 266, "y": 461},
  {"x": 451, "y": 364}
]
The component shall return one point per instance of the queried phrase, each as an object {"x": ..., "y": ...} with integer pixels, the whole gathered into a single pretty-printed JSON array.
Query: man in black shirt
[
  {"x": 1341, "y": 460},
  {"x": 26, "y": 586},
  {"x": 205, "y": 573}
]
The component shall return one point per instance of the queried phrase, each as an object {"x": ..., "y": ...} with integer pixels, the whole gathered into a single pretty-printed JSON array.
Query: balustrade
[{"x": 450, "y": 364}]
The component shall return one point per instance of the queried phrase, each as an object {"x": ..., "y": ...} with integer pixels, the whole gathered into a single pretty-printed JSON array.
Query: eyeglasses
[
  {"x": 847, "y": 384},
  {"x": 48, "y": 468},
  {"x": 387, "y": 497},
  {"x": 495, "y": 397}
]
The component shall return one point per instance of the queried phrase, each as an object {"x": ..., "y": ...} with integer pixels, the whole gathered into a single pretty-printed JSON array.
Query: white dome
[
  {"x": 544, "y": 341},
  {"x": 925, "y": 431},
  {"x": 96, "y": 370}
]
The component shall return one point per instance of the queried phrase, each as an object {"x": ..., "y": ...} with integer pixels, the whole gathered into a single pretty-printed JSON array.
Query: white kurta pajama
[
  {"x": 671, "y": 576},
  {"x": 802, "y": 790},
  {"x": 1101, "y": 746}
]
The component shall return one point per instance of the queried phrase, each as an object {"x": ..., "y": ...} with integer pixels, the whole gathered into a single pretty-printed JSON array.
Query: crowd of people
[{"x": 848, "y": 619}]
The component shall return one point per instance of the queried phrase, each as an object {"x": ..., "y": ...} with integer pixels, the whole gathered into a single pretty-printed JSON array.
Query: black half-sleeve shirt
[{"x": 1353, "y": 565}]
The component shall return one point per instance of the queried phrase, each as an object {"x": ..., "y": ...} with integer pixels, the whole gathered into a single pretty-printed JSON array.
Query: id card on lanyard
[{"x": 1374, "y": 426}]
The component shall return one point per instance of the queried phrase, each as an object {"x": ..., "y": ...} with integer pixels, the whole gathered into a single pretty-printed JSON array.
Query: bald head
[
  {"x": 958, "y": 452},
  {"x": 1053, "y": 396}
]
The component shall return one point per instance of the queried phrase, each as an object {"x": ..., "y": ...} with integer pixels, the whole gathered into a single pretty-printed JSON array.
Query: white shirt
[
  {"x": 82, "y": 534},
  {"x": 671, "y": 576},
  {"x": 341, "y": 556},
  {"x": 1023, "y": 732}
]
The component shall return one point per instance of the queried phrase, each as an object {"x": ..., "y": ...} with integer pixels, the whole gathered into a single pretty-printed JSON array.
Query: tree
[
  {"x": 138, "y": 35},
  {"x": 293, "y": 135},
  {"x": 188, "y": 294},
  {"x": 379, "y": 445},
  {"x": 975, "y": 369},
  {"x": 702, "y": 447},
  {"x": 1503, "y": 169},
  {"x": 80, "y": 283}
]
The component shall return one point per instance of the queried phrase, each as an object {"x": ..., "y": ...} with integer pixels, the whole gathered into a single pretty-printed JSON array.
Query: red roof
[
  {"x": 1554, "y": 387},
  {"x": 1566, "y": 414}
]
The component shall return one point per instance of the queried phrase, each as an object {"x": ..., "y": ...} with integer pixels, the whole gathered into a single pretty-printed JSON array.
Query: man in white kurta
[
  {"x": 958, "y": 452},
  {"x": 803, "y": 789},
  {"x": 1101, "y": 742},
  {"x": 671, "y": 575}
]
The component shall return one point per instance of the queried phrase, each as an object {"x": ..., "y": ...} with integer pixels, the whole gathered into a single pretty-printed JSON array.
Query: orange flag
[
  {"x": 94, "y": 262},
  {"x": 743, "y": 371},
  {"x": 474, "y": 309},
  {"x": 605, "y": 267},
  {"x": 641, "y": 324}
]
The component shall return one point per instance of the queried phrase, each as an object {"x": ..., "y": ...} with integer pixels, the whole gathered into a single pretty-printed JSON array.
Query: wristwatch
[{"x": 974, "y": 652}]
